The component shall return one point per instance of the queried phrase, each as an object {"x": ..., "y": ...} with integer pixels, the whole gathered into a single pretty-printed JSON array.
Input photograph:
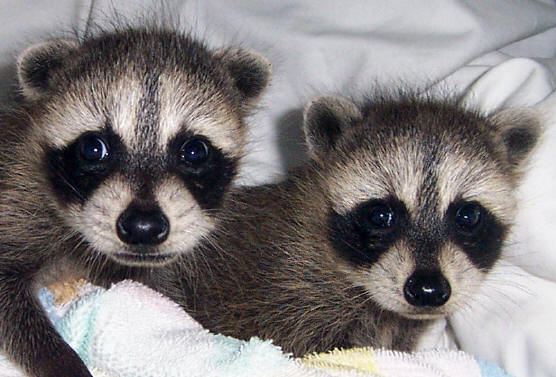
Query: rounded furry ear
[
  {"x": 35, "y": 65},
  {"x": 518, "y": 131},
  {"x": 324, "y": 119},
  {"x": 251, "y": 72}
]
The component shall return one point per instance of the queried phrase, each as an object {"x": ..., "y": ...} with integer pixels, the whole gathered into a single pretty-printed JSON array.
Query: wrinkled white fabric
[{"x": 511, "y": 321}]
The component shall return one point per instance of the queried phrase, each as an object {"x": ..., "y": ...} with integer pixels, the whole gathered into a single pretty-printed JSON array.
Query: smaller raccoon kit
[
  {"x": 396, "y": 219},
  {"x": 117, "y": 159}
]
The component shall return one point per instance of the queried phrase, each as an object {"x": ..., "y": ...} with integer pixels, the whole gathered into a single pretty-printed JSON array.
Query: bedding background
[{"x": 499, "y": 52}]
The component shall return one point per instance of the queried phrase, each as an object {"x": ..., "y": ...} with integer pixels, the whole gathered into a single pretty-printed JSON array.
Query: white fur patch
[
  {"x": 65, "y": 121},
  {"x": 188, "y": 222},
  {"x": 463, "y": 276},
  {"x": 90, "y": 109},
  {"x": 474, "y": 180},
  {"x": 97, "y": 219},
  {"x": 183, "y": 105},
  {"x": 368, "y": 176},
  {"x": 399, "y": 171},
  {"x": 124, "y": 109},
  {"x": 385, "y": 280}
]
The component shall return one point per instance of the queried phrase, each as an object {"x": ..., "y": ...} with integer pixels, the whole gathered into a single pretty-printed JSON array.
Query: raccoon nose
[
  {"x": 140, "y": 227},
  {"x": 424, "y": 288}
]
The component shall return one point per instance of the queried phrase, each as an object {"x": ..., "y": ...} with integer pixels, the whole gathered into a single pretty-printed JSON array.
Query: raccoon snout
[
  {"x": 140, "y": 227},
  {"x": 425, "y": 288}
]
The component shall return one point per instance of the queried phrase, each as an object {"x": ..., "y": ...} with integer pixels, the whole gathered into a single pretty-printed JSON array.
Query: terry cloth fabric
[
  {"x": 392, "y": 363},
  {"x": 130, "y": 330}
]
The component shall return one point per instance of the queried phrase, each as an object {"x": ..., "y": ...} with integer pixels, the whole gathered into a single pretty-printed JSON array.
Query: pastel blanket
[{"x": 130, "y": 330}]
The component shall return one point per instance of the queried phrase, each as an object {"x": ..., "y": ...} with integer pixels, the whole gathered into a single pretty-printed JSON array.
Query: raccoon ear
[
  {"x": 324, "y": 119},
  {"x": 35, "y": 65},
  {"x": 251, "y": 72},
  {"x": 518, "y": 131}
]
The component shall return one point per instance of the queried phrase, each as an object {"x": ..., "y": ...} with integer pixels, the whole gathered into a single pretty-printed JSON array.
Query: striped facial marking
[
  {"x": 140, "y": 158},
  {"x": 418, "y": 216}
]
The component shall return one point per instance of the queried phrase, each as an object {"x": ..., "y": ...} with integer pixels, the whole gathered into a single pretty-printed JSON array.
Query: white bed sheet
[{"x": 504, "y": 50}]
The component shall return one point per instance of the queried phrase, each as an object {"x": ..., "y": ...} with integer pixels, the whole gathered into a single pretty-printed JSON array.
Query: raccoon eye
[
  {"x": 381, "y": 216},
  {"x": 194, "y": 152},
  {"x": 93, "y": 148},
  {"x": 468, "y": 216}
]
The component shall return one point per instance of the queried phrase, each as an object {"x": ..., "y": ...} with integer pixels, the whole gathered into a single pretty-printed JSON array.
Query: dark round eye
[
  {"x": 194, "y": 152},
  {"x": 381, "y": 216},
  {"x": 468, "y": 216},
  {"x": 93, "y": 149}
]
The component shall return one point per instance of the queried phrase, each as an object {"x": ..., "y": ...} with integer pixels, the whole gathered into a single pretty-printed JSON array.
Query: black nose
[
  {"x": 426, "y": 288},
  {"x": 142, "y": 227}
]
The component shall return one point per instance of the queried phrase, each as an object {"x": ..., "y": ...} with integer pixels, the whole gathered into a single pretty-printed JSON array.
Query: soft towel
[{"x": 130, "y": 330}]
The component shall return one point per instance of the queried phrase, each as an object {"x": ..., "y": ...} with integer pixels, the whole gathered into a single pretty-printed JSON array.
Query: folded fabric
[
  {"x": 510, "y": 321},
  {"x": 434, "y": 363},
  {"x": 130, "y": 330}
]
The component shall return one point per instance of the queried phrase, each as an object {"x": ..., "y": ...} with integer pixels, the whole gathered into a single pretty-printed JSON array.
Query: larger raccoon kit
[
  {"x": 119, "y": 154},
  {"x": 396, "y": 220}
]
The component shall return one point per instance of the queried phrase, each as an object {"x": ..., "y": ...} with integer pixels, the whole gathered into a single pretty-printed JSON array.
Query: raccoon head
[
  {"x": 140, "y": 133},
  {"x": 420, "y": 193}
]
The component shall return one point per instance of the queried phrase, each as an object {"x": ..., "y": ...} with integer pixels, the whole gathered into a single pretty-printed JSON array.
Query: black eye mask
[
  {"x": 477, "y": 231},
  {"x": 368, "y": 230},
  {"x": 77, "y": 170},
  {"x": 205, "y": 170}
]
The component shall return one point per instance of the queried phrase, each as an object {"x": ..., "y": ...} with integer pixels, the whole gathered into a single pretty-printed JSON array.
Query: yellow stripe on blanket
[{"x": 354, "y": 359}]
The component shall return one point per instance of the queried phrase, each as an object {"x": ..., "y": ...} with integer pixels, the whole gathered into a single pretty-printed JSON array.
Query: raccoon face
[
  {"x": 141, "y": 133},
  {"x": 422, "y": 197}
]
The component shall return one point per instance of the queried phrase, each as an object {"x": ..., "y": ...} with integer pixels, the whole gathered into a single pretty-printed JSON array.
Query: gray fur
[
  {"x": 143, "y": 87},
  {"x": 275, "y": 269}
]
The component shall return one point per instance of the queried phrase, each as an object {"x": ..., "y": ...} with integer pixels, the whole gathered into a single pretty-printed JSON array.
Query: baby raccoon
[
  {"x": 119, "y": 154},
  {"x": 398, "y": 216}
]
